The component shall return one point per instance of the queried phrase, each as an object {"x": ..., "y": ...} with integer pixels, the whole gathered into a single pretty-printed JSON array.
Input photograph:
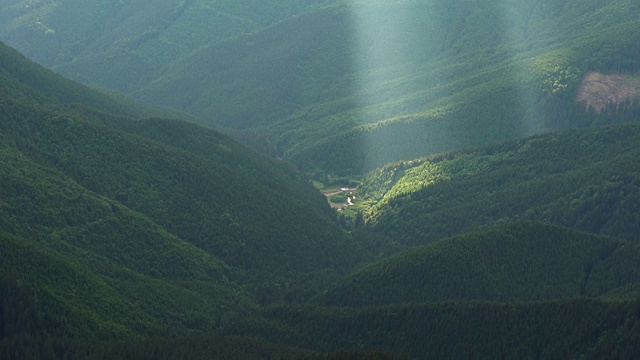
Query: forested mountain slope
[
  {"x": 479, "y": 295},
  {"x": 127, "y": 235},
  {"x": 329, "y": 84},
  {"x": 584, "y": 179},
  {"x": 122, "y": 45},
  {"x": 580, "y": 328},
  {"x": 25, "y": 82},
  {"x": 175, "y": 230},
  {"x": 330, "y": 89},
  {"x": 23, "y": 79},
  {"x": 512, "y": 262}
]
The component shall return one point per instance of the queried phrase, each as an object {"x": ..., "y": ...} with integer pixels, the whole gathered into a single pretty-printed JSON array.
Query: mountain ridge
[
  {"x": 346, "y": 75},
  {"x": 515, "y": 262},
  {"x": 154, "y": 222},
  {"x": 558, "y": 177},
  {"x": 127, "y": 234}
]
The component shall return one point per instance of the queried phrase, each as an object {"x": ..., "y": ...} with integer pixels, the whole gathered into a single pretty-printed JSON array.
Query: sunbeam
[
  {"x": 423, "y": 69},
  {"x": 517, "y": 21},
  {"x": 392, "y": 43}
]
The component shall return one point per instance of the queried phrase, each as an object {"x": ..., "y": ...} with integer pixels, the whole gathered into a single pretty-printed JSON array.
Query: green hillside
[
  {"x": 580, "y": 328},
  {"x": 514, "y": 262},
  {"x": 583, "y": 179},
  {"x": 177, "y": 229},
  {"x": 350, "y": 88},
  {"x": 343, "y": 87},
  {"x": 123, "y": 46},
  {"x": 128, "y": 232},
  {"x": 24, "y": 80}
]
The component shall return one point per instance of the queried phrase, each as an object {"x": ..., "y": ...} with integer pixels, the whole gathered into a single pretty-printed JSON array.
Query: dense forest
[
  {"x": 584, "y": 179},
  {"x": 154, "y": 212},
  {"x": 492, "y": 146},
  {"x": 326, "y": 84}
]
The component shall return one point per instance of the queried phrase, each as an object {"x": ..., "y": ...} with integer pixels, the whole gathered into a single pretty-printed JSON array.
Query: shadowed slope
[{"x": 515, "y": 262}]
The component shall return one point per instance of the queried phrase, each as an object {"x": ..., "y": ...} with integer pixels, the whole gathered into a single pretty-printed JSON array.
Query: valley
[{"x": 319, "y": 179}]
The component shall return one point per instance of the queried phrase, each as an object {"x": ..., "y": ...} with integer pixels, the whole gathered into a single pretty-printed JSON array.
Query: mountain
[
  {"x": 328, "y": 84},
  {"x": 584, "y": 179},
  {"x": 128, "y": 231},
  {"x": 522, "y": 289},
  {"x": 169, "y": 227},
  {"x": 510, "y": 263},
  {"x": 123, "y": 45},
  {"x": 24, "y": 80}
]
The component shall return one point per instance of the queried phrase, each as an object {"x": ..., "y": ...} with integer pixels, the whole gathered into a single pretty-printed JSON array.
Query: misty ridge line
[{"x": 492, "y": 210}]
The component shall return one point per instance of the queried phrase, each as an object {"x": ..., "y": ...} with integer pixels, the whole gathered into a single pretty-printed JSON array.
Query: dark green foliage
[
  {"x": 513, "y": 262},
  {"x": 194, "y": 347},
  {"x": 123, "y": 228},
  {"x": 583, "y": 179},
  {"x": 155, "y": 238},
  {"x": 357, "y": 355},
  {"x": 64, "y": 299},
  {"x": 125, "y": 46},
  {"x": 18, "y": 311},
  {"x": 347, "y": 89},
  {"x": 24, "y": 80},
  {"x": 212, "y": 145},
  {"x": 209, "y": 192},
  {"x": 480, "y": 330},
  {"x": 61, "y": 214},
  {"x": 344, "y": 87},
  {"x": 338, "y": 198}
]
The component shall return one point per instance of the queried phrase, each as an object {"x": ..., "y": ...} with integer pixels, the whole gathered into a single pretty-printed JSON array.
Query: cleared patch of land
[
  {"x": 597, "y": 89},
  {"x": 348, "y": 195}
]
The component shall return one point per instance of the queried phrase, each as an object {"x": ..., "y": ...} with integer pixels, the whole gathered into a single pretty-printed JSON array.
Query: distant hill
[
  {"x": 329, "y": 84},
  {"x": 25, "y": 80},
  {"x": 123, "y": 45},
  {"x": 583, "y": 179},
  {"x": 513, "y": 262}
]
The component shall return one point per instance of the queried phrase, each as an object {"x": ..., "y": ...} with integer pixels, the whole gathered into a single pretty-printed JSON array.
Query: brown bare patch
[{"x": 598, "y": 89}]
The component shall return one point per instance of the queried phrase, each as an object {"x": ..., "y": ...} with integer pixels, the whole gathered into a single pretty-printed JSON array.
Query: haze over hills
[
  {"x": 124, "y": 45},
  {"x": 326, "y": 84},
  {"x": 128, "y": 232}
]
